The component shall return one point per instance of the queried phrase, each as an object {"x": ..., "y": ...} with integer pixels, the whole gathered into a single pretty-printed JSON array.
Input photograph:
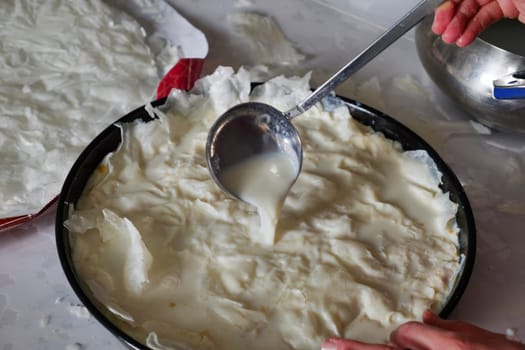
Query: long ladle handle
[{"x": 412, "y": 18}]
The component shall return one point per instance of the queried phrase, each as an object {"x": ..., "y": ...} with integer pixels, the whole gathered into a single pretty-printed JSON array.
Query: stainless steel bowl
[{"x": 494, "y": 64}]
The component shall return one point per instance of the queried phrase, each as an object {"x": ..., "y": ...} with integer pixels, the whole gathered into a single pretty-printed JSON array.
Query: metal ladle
[{"x": 252, "y": 129}]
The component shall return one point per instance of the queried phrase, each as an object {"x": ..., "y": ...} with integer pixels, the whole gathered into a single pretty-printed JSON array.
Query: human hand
[
  {"x": 461, "y": 21},
  {"x": 433, "y": 333}
]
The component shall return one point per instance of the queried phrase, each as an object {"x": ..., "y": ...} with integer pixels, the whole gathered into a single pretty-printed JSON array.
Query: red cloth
[{"x": 8, "y": 223}]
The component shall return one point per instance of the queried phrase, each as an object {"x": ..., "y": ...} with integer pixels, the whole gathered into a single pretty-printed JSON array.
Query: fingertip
[
  {"x": 449, "y": 38},
  {"x": 330, "y": 344},
  {"x": 437, "y": 27},
  {"x": 335, "y": 343},
  {"x": 454, "y": 31},
  {"x": 348, "y": 344},
  {"x": 465, "y": 40},
  {"x": 429, "y": 316},
  {"x": 462, "y": 43},
  {"x": 428, "y": 313}
]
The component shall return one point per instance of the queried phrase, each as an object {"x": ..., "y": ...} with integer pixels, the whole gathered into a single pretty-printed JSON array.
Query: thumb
[
  {"x": 346, "y": 344},
  {"x": 432, "y": 319}
]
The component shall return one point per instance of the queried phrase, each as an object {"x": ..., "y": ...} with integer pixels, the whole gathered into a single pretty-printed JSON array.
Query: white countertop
[{"x": 39, "y": 310}]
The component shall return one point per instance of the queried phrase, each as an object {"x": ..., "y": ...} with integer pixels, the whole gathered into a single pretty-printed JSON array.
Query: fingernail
[
  {"x": 435, "y": 28},
  {"x": 429, "y": 313},
  {"x": 461, "y": 42},
  {"x": 444, "y": 6},
  {"x": 430, "y": 317},
  {"x": 330, "y": 344},
  {"x": 447, "y": 39}
]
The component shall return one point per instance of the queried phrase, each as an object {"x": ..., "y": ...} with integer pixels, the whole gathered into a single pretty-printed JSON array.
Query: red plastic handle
[{"x": 182, "y": 76}]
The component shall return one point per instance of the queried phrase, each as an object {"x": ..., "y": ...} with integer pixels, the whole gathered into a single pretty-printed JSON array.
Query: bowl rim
[
  {"x": 425, "y": 28},
  {"x": 364, "y": 114}
]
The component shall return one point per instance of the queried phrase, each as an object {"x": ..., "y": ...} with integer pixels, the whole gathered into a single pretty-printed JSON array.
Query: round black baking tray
[{"x": 108, "y": 141}]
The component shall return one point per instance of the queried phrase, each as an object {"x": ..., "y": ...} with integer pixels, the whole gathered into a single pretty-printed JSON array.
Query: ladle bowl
[{"x": 248, "y": 130}]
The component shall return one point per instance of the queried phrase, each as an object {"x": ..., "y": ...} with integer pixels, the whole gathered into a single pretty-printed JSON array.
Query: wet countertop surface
[{"x": 39, "y": 310}]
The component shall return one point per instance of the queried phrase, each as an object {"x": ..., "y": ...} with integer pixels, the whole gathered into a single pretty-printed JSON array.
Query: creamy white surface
[
  {"x": 69, "y": 68},
  {"x": 366, "y": 240},
  {"x": 264, "y": 40},
  {"x": 263, "y": 181}
]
